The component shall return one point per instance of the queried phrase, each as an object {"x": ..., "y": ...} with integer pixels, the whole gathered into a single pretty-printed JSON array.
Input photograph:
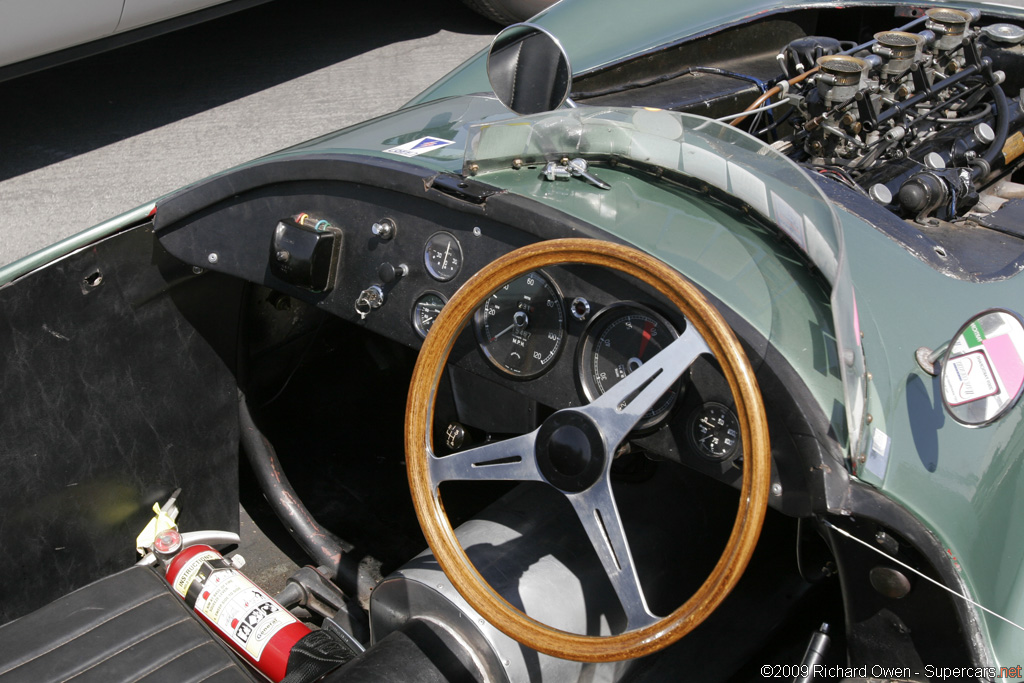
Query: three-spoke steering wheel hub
[{"x": 570, "y": 451}]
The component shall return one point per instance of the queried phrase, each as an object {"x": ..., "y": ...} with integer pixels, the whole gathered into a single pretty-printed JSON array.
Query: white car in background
[{"x": 38, "y": 34}]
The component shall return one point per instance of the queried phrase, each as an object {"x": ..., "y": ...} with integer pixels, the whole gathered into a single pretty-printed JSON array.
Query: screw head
[{"x": 213, "y": 258}]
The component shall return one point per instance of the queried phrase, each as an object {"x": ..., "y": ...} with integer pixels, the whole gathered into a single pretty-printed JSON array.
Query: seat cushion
[{"x": 126, "y": 627}]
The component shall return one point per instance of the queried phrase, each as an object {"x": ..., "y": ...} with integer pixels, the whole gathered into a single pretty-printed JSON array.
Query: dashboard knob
[
  {"x": 389, "y": 273},
  {"x": 385, "y": 228}
]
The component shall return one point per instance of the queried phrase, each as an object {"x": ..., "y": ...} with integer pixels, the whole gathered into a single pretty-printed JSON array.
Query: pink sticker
[{"x": 1006, "y": 359}]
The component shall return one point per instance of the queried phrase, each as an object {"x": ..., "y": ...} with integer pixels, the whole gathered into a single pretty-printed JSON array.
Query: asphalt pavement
[{"x": 85, "y": 141}]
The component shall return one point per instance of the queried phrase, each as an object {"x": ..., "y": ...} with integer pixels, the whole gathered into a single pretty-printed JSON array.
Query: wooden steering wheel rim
[{"x": 749, "y": 409}]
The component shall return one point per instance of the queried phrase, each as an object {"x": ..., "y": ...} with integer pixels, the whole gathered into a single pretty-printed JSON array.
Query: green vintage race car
[{"x": 658, "y": 342}]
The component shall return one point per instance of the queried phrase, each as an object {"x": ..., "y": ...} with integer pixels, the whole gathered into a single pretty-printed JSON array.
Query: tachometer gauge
[
  {"x": 442, "y": 256},
  {"x": 714, "y": 431},
  {"x": 522, "y": 325},
  {"x": 619, "y": 340},
  {"x": 425, "y": 311}
]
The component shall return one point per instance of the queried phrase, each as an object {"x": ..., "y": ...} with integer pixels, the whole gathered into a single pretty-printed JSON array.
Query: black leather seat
[{"x": 126, "y": 627}]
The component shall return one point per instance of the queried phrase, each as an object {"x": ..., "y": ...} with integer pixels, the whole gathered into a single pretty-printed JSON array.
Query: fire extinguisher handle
[
  {"x": 189, "y": 538},
  {"x": 209, "y": 537}
]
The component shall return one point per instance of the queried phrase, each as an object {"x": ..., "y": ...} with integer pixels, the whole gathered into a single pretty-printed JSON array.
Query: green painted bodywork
[
  {"x": 754, "y": 270},
  {"x": 761, "y": 278},
  {"x": 966, "y": 485},
  {"x": 73, "y": 243},
  {"x": 642, "y": 28},
  {"x": 614, "y": 31}
]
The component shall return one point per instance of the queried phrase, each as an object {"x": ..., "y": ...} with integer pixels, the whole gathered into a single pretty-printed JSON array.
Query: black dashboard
[{"x": 546, "y": 341}]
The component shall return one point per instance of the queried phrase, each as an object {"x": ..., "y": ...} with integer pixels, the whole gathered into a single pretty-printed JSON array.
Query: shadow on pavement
[{"x": 72, "y": 109}]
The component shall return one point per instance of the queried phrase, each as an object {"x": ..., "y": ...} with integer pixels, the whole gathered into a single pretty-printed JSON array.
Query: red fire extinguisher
[{"x": 252, "y": 622}]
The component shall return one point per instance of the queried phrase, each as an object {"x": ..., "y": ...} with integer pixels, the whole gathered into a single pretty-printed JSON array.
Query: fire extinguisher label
[
  {"x": 242, "y": 611},
  {"x": 232, "y": 603},
  {"x": 189, "y": 572}
]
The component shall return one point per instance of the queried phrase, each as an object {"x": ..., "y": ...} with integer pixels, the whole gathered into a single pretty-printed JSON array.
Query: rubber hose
[
  {"x": 321, "y": 545},
  {"x": 1002, "y": 126}
]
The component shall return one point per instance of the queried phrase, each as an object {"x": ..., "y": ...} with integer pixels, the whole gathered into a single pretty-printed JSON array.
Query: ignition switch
[
  {"x": 372, "y": 298},
  {"x": 369, "y": 300}
]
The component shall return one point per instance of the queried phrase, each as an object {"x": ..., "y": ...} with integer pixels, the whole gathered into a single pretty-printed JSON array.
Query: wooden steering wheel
[{"x": 581, "y": 442}]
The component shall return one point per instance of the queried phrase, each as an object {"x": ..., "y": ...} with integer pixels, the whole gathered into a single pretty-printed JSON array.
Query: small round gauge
[
  {"x": 521, "y": 326},
  {"x": 442, "y": 255},
  {"x": 715, "y": 431},
  {"x": 619, "y": 340},
  {"x": 425, "y": 311}
]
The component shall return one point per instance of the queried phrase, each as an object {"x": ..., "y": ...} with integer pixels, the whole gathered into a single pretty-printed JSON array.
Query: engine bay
[{"x": 916, "y": 109}]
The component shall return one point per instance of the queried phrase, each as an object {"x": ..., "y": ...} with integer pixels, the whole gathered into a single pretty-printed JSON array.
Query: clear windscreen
[{"x": 709, "y": 152}]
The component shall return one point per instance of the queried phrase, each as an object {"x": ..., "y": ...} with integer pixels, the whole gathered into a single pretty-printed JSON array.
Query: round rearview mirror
[
  {"x": 528, "y": 69},
  {"x": 982, "y": 374}
]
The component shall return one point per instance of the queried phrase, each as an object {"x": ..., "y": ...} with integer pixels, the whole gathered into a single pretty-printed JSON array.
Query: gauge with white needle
[
  {"x": 521, "y": 326},
  {"x": 426, "y": 310},
  {"x": 442, "y": 256},
  {"x": 715, "y": 431},
  {"x": 618, "y": 341}
]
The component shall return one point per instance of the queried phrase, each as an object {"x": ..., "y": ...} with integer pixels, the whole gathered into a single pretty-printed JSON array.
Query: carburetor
[{"x": 923, "y": 98}]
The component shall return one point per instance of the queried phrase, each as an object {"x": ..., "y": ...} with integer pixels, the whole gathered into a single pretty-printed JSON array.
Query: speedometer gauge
[
  {"x": 619, "y": 340},
  {"x": 522, "y": 325}
]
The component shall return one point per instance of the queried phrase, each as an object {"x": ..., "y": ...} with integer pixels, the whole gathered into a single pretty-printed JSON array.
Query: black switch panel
[{"x": 304, "y": 256}]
